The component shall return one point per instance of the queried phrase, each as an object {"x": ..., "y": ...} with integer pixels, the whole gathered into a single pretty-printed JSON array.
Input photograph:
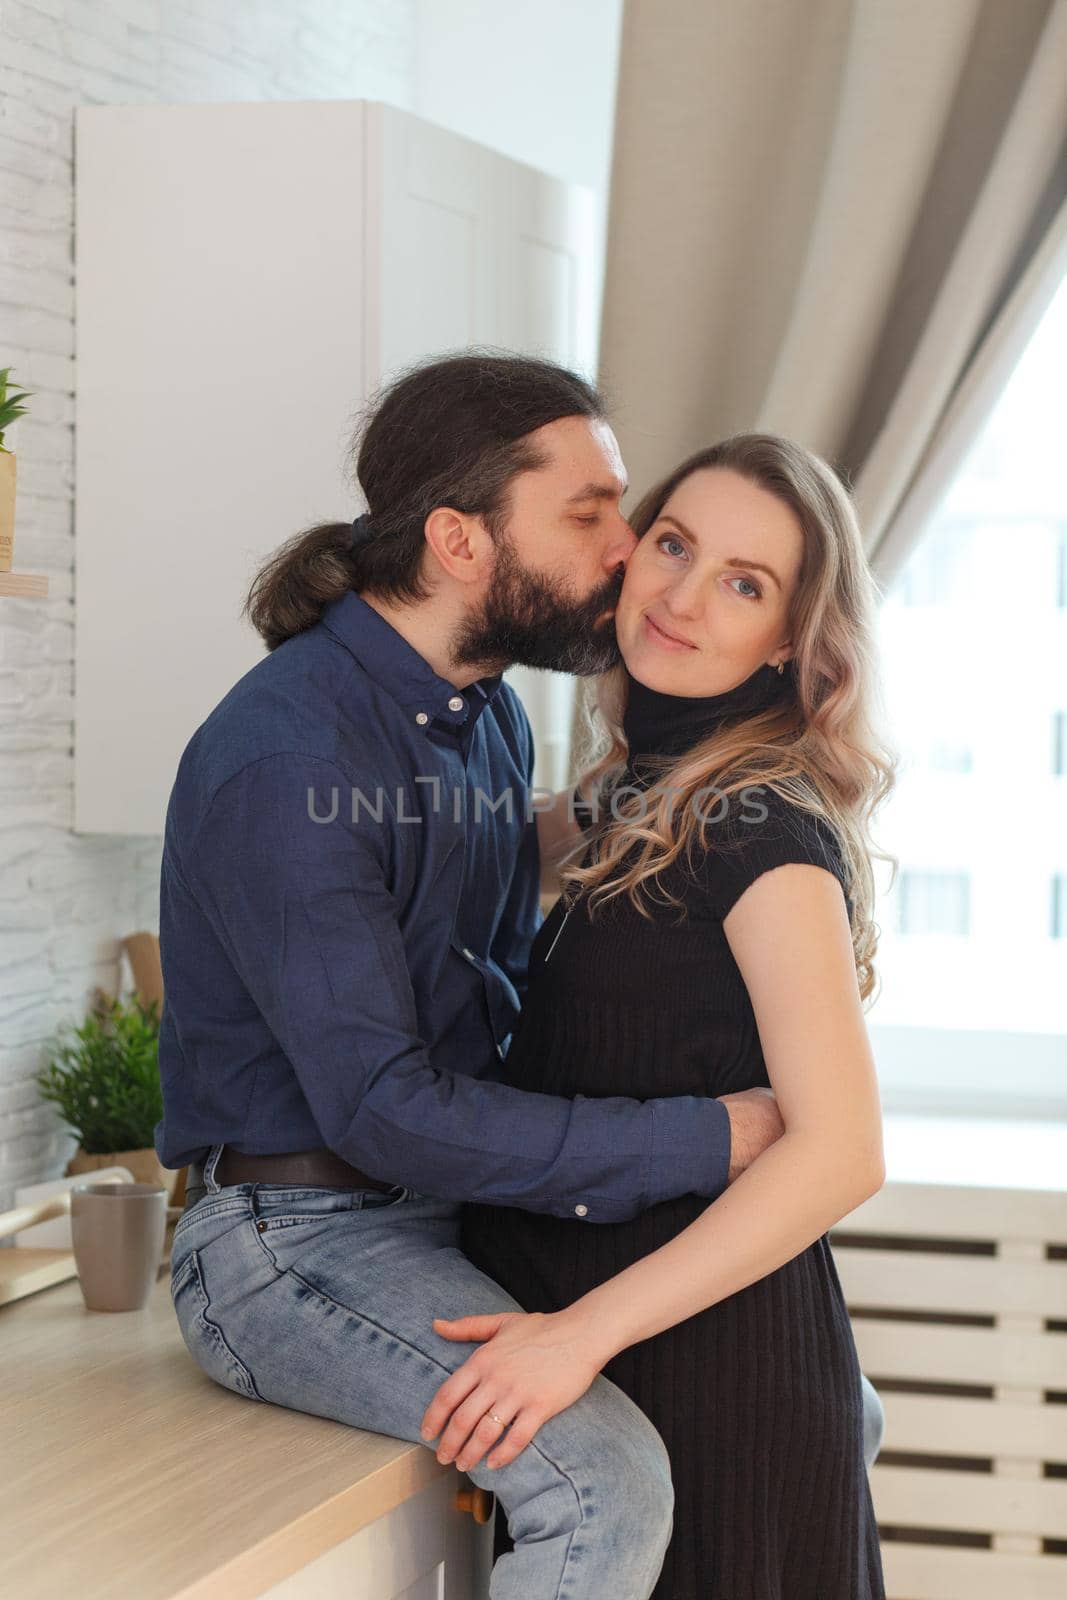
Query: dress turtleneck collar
[{"x": 655, "y": 723}]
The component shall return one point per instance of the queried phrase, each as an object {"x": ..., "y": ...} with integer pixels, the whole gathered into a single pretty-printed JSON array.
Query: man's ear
[{"x": 459, "y": 541}]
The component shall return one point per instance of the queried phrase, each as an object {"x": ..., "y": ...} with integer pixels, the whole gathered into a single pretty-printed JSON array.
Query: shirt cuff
[{"x": 690, "y": 1148}]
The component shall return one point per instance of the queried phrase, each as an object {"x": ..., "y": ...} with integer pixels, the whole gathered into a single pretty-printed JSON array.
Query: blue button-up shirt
[{"x": 347, "y": 902}]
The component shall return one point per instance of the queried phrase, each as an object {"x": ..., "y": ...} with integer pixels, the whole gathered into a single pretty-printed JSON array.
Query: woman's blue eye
[
  {"x": 756, "y": 591},
  {"x": 754, "y": 587}
]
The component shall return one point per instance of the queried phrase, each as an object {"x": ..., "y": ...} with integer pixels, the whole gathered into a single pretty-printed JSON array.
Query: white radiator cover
[{"x": 1019, "y": 1356}]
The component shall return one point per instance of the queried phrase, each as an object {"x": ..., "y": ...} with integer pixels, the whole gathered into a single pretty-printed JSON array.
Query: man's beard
[{"x": 529, "y": 620}]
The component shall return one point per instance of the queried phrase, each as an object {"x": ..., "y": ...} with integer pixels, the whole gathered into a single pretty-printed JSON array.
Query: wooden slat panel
[
  {"x": 960, "y": 1355},
  {"x": 921, "y": 1572},
  {"x": 1017, "y": 1357},
  {"x": 902, "y": 1280},
  {"x": 969, "y": 1502},
  {"x": 920, "y": 1422},
  {"x": 944, "y": 1211}
]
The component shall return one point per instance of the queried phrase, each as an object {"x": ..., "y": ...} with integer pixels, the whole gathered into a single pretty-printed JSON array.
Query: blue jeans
[{"x": 322, "y": 1300}]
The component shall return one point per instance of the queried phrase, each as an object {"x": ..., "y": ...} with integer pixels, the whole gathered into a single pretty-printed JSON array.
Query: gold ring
[{"x": 494, "y": 1418}]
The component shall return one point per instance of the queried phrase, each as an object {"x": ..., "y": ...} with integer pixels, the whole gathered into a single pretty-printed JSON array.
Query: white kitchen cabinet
[
  {"x": 246, "y": 276},
  {"x": 421, "y": 1550}
]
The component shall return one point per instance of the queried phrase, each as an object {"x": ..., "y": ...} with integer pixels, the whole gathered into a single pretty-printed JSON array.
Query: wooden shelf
[{"x": 24, "y": 585}]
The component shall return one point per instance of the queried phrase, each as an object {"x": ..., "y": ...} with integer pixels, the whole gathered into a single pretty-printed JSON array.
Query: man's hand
[{"x": 755, "y": 1123}]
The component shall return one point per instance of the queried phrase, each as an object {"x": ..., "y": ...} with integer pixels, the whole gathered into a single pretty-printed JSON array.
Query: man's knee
[
  {"x": 656, "y": 1494},
  {"x": 638, "y": 1477},
  {"x": 873, "y": 1422}
]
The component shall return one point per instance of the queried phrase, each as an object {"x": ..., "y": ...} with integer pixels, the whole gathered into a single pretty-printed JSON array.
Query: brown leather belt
[{"x": 317, "y": 1169}]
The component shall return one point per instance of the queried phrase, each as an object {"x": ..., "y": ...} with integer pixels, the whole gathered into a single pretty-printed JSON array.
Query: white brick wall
[{"x": 67, "y": 899}]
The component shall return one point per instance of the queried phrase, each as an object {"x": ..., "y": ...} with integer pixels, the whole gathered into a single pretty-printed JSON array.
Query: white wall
[{"x": 533, "y": 78}]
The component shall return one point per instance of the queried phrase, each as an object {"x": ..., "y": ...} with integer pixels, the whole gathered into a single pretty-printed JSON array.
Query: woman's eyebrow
[{"x": 732, "y": 561}]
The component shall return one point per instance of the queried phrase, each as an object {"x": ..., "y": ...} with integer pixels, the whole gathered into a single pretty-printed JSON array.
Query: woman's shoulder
[
  {"x": 759, "y": 815},
  {"x": 759, "y": 830}
]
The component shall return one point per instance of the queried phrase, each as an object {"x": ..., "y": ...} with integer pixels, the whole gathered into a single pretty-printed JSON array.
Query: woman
[{"x": 742, "y": 742}]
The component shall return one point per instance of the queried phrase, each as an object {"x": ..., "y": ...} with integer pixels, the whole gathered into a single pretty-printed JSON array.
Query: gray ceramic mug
[{"x": 117, "y": 1231}]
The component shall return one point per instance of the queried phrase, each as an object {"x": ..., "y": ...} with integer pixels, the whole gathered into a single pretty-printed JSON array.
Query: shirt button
[
  {"x": 421, "y": 718},
  {"x": 581, "y": 1211},
  {"x": 455, "y": 704}
]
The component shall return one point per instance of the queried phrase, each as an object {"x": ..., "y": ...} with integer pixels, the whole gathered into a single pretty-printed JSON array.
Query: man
[{"x": 347, "y": 904}]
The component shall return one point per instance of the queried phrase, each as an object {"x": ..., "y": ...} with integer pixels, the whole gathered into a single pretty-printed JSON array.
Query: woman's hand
[{"x": 532, "y": 1366}]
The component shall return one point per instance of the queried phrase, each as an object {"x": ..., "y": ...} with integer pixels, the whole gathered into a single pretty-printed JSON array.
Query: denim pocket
[
  {"x": 284, "y": 1205},
  {"x": 204, "y": 1339},
  {"x": 375, "y": 1198}
]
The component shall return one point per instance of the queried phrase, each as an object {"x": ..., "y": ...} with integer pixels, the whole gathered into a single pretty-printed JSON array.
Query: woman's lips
[{"x": 662, "y": 639}]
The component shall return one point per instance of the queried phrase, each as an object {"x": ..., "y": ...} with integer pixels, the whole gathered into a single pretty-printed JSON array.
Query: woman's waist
[
  {"x": 509, "y": 1232},
  {"x": 506, "y": 1243},
  {"x": 657, "y": 1069}
]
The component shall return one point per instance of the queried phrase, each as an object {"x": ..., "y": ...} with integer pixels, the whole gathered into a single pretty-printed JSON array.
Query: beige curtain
[{"x": 820, "y": 213}]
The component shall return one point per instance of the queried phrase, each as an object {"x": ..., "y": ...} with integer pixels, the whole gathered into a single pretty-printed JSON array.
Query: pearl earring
[{"x": 781, "y": 668}]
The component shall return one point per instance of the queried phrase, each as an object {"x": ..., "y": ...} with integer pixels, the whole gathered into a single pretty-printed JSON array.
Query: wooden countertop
[{"x": 129, "y": 1472}]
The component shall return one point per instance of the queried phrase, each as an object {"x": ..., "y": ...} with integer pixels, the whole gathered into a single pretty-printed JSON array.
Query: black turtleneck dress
[{"x": 758, "y": 1397}]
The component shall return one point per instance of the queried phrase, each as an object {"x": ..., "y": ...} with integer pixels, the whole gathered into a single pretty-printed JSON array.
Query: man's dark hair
[{"x": 451, "y": 432}]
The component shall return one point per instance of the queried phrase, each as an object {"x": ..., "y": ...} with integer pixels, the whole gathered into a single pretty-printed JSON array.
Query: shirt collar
[{"x": 394, "y": 664}]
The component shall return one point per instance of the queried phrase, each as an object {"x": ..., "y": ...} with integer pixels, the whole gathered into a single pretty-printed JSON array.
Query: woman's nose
[{"x": 685, "y": 597}]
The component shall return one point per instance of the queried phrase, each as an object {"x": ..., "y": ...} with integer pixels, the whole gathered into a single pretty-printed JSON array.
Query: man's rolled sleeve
[{"x": 677, "y": 1165}]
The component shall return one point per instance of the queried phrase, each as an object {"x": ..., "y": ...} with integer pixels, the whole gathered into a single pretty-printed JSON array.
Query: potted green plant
[
  {"x": 104, "y": 1077},
  {"x": 9, "y": 410}
]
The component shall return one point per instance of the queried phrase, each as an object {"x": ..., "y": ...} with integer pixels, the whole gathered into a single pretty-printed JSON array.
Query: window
[
  {"x": 971, "y": 1013},
  {"x": 933, "y": 573},
  {"x": 934, "y": 902},
  {"x": 1059, "y": 743},
  {"x": 949, "y": 754},
  {"x": 1058, "y": 923}
]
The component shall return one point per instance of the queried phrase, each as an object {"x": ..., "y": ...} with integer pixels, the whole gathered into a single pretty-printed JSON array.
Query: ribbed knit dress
[{"x": 757, "y": 1398}]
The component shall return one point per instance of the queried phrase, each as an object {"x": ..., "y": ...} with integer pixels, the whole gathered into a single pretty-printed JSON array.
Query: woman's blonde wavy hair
[{"x": 819, "y": 747}]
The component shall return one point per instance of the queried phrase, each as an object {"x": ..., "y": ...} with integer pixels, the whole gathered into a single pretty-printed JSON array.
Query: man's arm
[
  {"x": 755, "y": 1123},
  {"x": 304, "y": 911}
]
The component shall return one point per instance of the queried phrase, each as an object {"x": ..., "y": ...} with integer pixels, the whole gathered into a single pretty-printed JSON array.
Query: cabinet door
[
  {"x": 220, "y": 361},
  {"x": 468, "y": 247},
  {"x": 430, "y": 264},
  {"x": 423, "y": 1550},
  {"x": 545, "y": 252}
]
